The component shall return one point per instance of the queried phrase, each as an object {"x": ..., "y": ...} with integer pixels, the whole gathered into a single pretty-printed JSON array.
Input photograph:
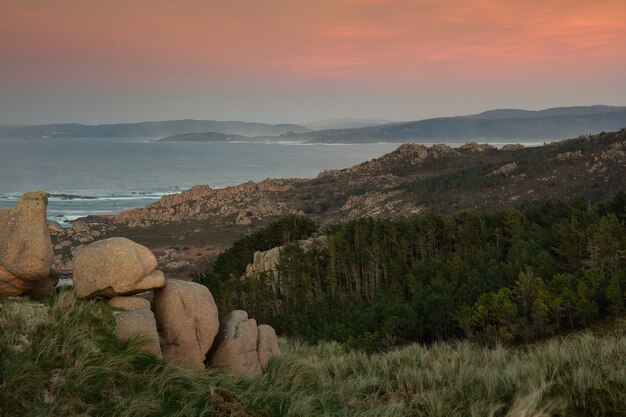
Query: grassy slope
[{"x": 61, "y": 358}]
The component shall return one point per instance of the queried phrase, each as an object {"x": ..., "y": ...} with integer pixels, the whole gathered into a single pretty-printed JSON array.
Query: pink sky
[{"x": 297, "y": 61}]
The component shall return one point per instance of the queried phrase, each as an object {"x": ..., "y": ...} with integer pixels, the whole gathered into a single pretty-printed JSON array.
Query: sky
[{"x": 275, "y": 61}]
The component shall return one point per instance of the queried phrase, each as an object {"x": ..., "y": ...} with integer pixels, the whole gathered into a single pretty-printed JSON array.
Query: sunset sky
[{"x": 300, "y": 61}]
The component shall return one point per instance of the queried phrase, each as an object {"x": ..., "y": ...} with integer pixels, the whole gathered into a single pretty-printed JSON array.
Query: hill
[
  {"x": 147, "y": 129},
  {"x": 414, "y": 178},
  {"x": 555, "y": 111},
  {"x": 347, "y": 123},
  {"x": 499, "y": 125}
]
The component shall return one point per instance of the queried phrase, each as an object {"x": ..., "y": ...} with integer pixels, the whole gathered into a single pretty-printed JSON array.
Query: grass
[{"x": 61, "y": 358}]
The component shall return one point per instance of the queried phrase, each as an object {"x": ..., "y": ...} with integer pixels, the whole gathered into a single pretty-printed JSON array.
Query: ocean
[{"x": 109, "y": 175}]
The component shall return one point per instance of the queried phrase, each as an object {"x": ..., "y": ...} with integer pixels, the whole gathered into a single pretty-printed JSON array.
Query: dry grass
[{"x": 64, "y": 360}]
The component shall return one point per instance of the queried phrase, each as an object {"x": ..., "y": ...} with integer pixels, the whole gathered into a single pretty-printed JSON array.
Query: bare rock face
[
  {"x": 187, "y": 320},
  {"x": 235, "y": 349},
  {"x": 115, "y": 266},
  {"x": 267, "y": 345},
  {"x": 131, "y": 323},
  {"x": 25, "y": 245},
  {"x": 129, "y": 303}
]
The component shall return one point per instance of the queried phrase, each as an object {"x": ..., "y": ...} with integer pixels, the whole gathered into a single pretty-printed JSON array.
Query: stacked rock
[
  {"x": 116, "y": 268},
  {"x": 25, "y": 246},
  {"x": 181, "y": 325}
]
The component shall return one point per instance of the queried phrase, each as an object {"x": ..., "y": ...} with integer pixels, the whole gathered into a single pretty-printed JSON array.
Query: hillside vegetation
[
  {"x": 61, "y": 358},
  {"x": 506, "y": 277}
]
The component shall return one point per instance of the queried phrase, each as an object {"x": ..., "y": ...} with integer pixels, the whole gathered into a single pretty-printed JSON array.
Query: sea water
[{"x": 109, "y": 175}]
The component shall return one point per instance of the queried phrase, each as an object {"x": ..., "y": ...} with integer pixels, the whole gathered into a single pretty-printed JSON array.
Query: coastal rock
[
  {"x": 138, "y": 322},
  {"x": 203, "y": 202},
  {"x": 115, "y": 266},
  {"x": 235, "y": 348},
  {"x": 187, "y": 320},
  {"x": 55, "y": 227},
  {"x": 129, "y": 303},
  {"x": 407, "y": 154},
  {"x": 25, "y": 244},
  {"x": 267, "y": 345}
]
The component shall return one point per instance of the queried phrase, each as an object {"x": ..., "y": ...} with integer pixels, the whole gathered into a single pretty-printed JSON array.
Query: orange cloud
[{"x": 376, "y": 41}]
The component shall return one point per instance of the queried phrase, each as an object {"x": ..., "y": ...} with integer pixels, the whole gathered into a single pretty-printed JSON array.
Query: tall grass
[{"x": 65, "y": 360}]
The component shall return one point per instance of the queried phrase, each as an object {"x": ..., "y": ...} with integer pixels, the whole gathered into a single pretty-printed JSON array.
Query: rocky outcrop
[
  {"x": 115, "y": 266},
  {"x": 513, "y": 147},
  {"x": 267, "y": 345},
  {"x": 477, "y": 147},
  {"x": 187, "y": 320},
  {"x": 138, "y": 322},
  {"x": 569, "y": 155},
  {"x": 506, "y": 169},
  {"x": 202, "y": 202},
  {"x": 129, "y": 303},
  {"x": 235, "y": 349},
  {"x": 267, "y": 261},
  {"x": 242, "y": 347},
  {"x": 25, "y": 245},
  {"x": 407, "y": 155}
]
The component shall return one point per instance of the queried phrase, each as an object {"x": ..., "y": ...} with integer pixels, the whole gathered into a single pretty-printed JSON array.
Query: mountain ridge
[{"x": 150, "y": 129}]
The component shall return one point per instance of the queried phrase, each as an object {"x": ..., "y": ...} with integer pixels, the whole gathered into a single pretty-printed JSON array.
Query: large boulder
[
  {"x": 235, "y": 349},
  {"x": 138, "y": 322},
  {"x": 25, "y": 245},
  {"x": 115, "y": 266},
  {"x": 129, "y": 303},
  {"x": 267, "y": 345},
  {"x": 187, "y": 320}
]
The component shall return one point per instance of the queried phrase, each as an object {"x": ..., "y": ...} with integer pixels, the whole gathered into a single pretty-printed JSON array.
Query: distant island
[
  {"x": 147, "y": 129},
  {"x": 204, "y": 137},
  {"x": 503, "y": 125}
]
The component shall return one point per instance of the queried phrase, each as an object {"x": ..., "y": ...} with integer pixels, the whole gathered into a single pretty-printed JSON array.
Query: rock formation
[
  {"x": 267, "y": 261},
  {"x": 187, "y": 320},
  {"x": 115, "y": 266},
  {"x": 129, "y": 303},
  {"x": 138, "y": 322},
  {"x": 25, "y": 245},
  {"x": 235, "y": 349},
  {"x": 242, "y": 347},
  {"x": 267, "y": 345}
]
